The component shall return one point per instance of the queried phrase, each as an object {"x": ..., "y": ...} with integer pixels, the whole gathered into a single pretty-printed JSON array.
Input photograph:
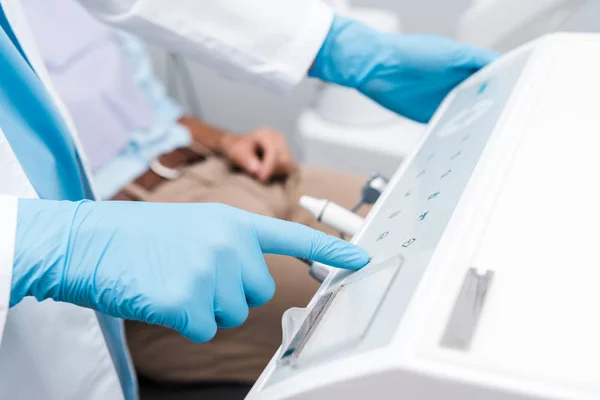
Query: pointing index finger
[{"x": 296, "y": 240}]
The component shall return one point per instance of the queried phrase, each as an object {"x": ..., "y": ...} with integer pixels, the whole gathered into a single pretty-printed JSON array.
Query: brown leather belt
[{"x": 165, "y": 167}]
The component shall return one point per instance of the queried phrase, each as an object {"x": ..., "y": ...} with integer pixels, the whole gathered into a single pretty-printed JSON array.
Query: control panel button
[
  {"x": 433, "y": 195},
  {"x": 382, "y": 236},
  {"x": 423, "y": 216},
  {"x": 456, "y": 155},
  {"x": 395, "y": 214},
  {"x": 445, "y": 174},
  {"x": 482, "y": 88},
  {"x": 408, "y": 242}
]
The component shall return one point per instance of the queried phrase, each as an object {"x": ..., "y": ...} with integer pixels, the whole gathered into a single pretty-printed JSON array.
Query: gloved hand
[
  {"x": 189, "y": 267},
  {"x": 408, "y": 74}
]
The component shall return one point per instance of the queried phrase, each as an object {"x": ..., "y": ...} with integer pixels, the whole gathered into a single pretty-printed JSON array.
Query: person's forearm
[
  {"x": 209, "y": 136},
  {"x": 271, "y": 42},
  {"x": 132, "y": 260}
]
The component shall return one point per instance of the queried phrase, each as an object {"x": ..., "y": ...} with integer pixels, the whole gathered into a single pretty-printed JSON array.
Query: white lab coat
[{"x": 57, "y": 351}]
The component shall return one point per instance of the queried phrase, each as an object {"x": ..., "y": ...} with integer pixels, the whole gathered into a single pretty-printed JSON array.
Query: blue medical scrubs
[{"x": 42, "y": 143}]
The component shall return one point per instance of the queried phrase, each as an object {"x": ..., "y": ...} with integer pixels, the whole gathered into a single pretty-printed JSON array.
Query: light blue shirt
[
  {"x": 122, "y": 113},
  {"x": 40, "y": 139},
  {"x": 145, "y": 144}
]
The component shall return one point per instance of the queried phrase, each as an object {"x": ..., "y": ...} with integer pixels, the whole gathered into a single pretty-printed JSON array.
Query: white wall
[{"x": 239, "y": 107}]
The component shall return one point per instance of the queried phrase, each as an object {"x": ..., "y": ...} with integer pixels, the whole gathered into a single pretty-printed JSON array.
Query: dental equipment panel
[{"x": 484, "y": 276}]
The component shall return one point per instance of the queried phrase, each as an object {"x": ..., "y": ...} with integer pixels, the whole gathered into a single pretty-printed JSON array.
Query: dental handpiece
[{"x": 333, "y": 215}]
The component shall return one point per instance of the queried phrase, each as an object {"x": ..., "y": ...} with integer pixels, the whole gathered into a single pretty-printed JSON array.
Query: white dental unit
[{"x": 485, "y": 277}]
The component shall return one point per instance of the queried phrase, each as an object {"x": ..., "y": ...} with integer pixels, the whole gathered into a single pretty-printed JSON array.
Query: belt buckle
[{"x": 164, "y": 171}]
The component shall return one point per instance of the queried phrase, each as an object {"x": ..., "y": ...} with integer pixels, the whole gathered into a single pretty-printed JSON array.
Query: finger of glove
[
  {"x": 259, "y": 285},
  {"x": 191, "y": 314},
  {"x": 292, "y": 239},
  {"x": 230, "y": 305},
  {"x": 200, "y": 328}
]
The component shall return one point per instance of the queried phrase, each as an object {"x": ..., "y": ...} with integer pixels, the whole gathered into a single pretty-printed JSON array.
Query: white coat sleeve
[
  {"x": 8, "y": 231},
  {"x": 267, "y": 42}
]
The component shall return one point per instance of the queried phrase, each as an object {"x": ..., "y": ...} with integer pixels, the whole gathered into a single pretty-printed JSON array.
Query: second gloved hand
[
  {"x": 189, "y": 267},
  {"x": 408, "y": 74}
]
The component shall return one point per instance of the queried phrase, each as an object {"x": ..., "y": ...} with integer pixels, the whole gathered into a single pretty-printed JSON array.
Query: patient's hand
[{"x": 263, "y": 153}]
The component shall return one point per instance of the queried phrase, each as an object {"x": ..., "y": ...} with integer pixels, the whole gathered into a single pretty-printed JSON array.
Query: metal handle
[{"x": 462, "y": 324}]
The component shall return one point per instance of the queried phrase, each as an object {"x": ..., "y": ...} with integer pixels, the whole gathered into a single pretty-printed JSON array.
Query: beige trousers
[{"x": 239, "y": 354}]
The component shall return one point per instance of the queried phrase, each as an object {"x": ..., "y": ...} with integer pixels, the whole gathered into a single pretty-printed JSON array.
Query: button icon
[
  {"x": 423, "y": 216},
  {"x": 446, "y": 174},
  {"x": 408, "y": 242},
  {"x": 407, "y": 194},
  {"x": 421, "y": 174},
  {"x": 456, "y": 155},
  {"x": 382, "y": 236},
  {"x": 434, "y": 195},
  {"x": 395, "y": 214},
  {"x": 482, "y": 88}
]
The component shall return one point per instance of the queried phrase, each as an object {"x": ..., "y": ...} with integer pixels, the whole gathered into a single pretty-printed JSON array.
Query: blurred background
[{"x": 316, "y": 135}]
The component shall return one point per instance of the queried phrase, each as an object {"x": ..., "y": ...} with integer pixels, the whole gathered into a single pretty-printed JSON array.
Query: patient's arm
[
  {"x": 262, "y": 153},
  {"x": 207, "y": 135}
]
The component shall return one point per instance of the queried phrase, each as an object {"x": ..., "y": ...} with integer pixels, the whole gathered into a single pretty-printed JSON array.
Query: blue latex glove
[
  {"x": 189, "y": 267},
  {"x": 408, "y": 74}
]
